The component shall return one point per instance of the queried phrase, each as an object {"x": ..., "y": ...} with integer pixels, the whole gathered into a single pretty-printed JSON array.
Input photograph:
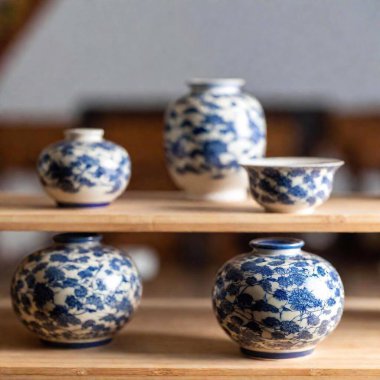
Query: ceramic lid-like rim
[
  {"x": 277, "y": 243},
  {"x": 216, "y": 82},
  {"x": 292, "y": 162},
  {"x": 77, "y": 238}
]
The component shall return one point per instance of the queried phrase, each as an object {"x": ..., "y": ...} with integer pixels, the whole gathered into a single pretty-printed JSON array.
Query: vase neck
[
  {"x": 84, "y": 134},
  {"x": 277, "y": 246},
  {"x": 216, "y": 86},
  {"x": 82, "y": 239}
]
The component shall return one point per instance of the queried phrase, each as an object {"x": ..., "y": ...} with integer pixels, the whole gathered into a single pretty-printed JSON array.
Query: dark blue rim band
[
  {"x": 275, "y": 355},
  {"x": 79, "y": 205},
  {"x": 77, "y": 237},
  {"x": 75, "y": 345},
  {"x": 277, "y": 243}
]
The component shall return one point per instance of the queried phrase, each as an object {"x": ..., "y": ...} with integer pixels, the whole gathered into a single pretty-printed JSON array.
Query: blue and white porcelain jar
[
  {"x": 84, "y": 170},
  {"x": 278, "y": 302},
  {"x": 207, "y": 133},
  {"x": 76, "y": 293}
]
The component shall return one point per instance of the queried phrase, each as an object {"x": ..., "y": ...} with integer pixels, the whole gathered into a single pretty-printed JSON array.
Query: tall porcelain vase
[{"x": 207, "y": 133}]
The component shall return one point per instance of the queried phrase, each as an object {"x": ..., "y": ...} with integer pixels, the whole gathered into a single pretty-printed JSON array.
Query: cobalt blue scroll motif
[
  {"x": 291, "y": 186},
  {"x": 207, "y": 133},
  {"x": 278, "y": 302},
  {"x": 72, "y": 166},
  {"x": 76, "y": 292}
]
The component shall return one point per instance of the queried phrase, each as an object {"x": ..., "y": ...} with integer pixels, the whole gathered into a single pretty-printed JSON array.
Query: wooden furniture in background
[{"x": 15, "y": 15}]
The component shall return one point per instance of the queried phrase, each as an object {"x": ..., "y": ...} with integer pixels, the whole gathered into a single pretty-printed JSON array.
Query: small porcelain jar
[
  {"x": 207, "y": 133},
  {"x": 278, "y": 302},
  {"x": 84, "y": 170},
  {"x": 76, "y": 293}
]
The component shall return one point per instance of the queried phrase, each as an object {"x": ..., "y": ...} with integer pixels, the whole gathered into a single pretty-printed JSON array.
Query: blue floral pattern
[
  {"x": 278, "y": 300},
  {"x": 305, "y": 188},
  {"x": 101, "y": 169},
  {"x": 76, "y": 292},
  {"x": 207, "y": 134}
]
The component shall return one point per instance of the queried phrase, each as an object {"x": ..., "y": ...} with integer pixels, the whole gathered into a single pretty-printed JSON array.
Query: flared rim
[{"x": 292, "y": 162}]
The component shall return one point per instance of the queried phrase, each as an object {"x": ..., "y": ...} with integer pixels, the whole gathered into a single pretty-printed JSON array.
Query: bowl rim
[{"x": 292, "y": 162}]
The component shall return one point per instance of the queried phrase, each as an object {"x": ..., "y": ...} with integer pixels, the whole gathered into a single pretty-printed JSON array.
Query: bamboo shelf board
[
  {"x": 180, "y": 338},
  {"x": 171, "y": 212}
]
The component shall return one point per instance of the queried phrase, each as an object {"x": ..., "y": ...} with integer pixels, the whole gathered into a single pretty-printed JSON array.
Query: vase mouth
[
  {"x": 77, "y": 238},
  {"x": 216, "y": 82},
  {"x": 216, "y": 85},
  {"x": 277, "y": 243},
  {"x": 84, "y": 134}
]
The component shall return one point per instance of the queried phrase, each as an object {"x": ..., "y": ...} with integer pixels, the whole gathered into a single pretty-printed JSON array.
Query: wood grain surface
[
  {"x": 171, "y": 212},
  {"x": 180, "y": 338}
]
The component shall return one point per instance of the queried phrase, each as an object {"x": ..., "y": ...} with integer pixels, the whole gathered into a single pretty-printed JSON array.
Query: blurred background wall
[
  {"x": 292, "y": 53},
  {"x": 115, "y": 64}
]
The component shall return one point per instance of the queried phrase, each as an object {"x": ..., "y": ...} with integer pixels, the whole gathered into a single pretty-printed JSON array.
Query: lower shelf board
[{"x": 172, "y": 338}]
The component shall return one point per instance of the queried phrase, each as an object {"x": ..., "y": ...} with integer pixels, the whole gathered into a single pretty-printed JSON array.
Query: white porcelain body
[
  {"x": 207, "y": 133},
  {"x": 291, "y": 184},
  {"x": 278, "y": 302},
  {"x": 76, "y": 294},
  {"x": 84, "y": 170}
]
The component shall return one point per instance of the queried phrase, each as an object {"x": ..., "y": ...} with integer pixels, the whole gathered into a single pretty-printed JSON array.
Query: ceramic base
[
  {"x": 286, "y": 210},
  {"x": 224, "y": 196},
  {"x": 76, "y": 344},
  {"x": 81, "y": 205},
  {"x": 275, "y": 355}
]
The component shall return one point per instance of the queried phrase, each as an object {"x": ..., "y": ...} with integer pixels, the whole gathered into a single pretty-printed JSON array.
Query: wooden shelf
[
  {"x": 180, "y": 338},
  {"x": 170, "y": 212}
]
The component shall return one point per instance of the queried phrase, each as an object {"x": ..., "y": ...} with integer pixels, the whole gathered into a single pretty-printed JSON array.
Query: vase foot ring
[
  {"x": 275, "y": 355},
  {"x": 76, "y": 344},
  {"x": 81, "y": 205}
]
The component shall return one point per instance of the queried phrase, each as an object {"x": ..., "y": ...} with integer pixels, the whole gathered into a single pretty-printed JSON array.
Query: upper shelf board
[{"x": 171, "y": 212}]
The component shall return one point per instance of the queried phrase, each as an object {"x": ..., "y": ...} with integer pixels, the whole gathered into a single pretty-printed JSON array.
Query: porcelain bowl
[{"x": 291, "y": 184}]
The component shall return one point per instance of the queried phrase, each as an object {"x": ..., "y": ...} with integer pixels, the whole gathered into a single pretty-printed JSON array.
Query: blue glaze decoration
[
  {"x": 277, "y": 243},
  {"x": 84, "y": 170},
  {"x": 81, "y": 237},
  {"x": 209, "y": 131},
  {"x": 76, "y": 291},
  {"x": 278, "y": 300},
  {"x": 291, "y": 189}
]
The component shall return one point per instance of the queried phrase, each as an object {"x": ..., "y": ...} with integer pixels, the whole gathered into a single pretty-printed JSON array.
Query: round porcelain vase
[
  {"x": 84, "y": 170},
  {"x": 207, "y": 133},
  {"x": 278, "y": 302},
  {"x": 76, "y": 293}
]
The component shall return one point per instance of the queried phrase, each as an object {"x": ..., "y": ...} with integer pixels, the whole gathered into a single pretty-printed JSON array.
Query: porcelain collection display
[
  {"x": 76, "y": 293},
  {"x": 277, "y": 301},
  {"x": 291, "y": 184},
  {"x": 84, "y": 170},
  {"x": 207, "y": 133}
]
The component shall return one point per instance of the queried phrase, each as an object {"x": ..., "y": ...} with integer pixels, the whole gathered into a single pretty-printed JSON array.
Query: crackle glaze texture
[
  {"x": 278, "y": 301},
  {"x": 84, "y": 171},
  {"x": 207, "y": 133},
  {"x": 76, "y": 292}
]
